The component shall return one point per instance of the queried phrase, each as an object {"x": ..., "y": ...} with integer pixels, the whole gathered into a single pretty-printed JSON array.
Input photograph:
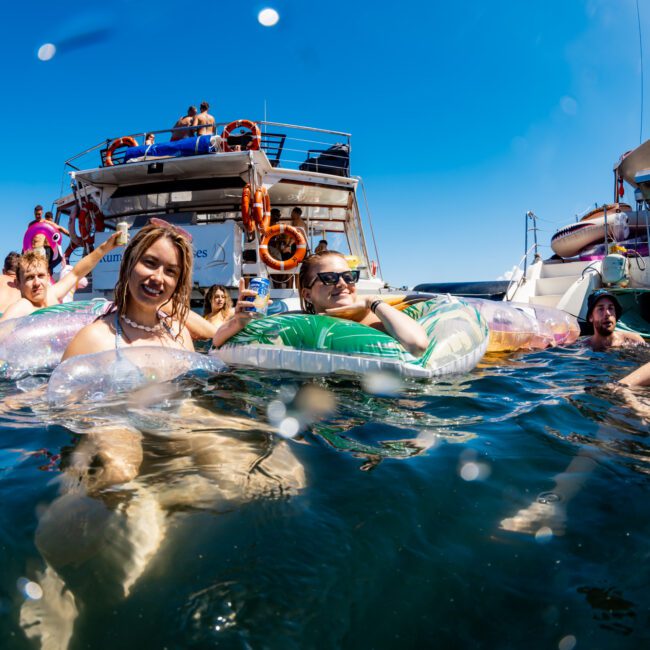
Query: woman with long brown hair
[
  {"x": 217, "y": 305},
  {"x": 152, "y": 295}
]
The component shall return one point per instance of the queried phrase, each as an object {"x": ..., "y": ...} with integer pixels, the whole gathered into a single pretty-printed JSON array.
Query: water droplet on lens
[
  {"x": 289, "y": 428},
  {"x": 548, "y": 497},
  {"x": 544, "y": 535},
  {"x": 567, "y": 643},
  {"x": 276, "y": 410}
]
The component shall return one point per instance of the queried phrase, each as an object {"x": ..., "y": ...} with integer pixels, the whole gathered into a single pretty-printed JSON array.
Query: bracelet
[{"x": 374, "y": 305}]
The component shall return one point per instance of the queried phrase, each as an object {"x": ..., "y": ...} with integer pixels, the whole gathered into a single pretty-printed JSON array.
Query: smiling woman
[{"x": 152, "y": 296}]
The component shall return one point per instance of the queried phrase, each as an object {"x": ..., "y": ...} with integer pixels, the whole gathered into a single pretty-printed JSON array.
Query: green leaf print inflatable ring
[{"x": 319, "y": 345}]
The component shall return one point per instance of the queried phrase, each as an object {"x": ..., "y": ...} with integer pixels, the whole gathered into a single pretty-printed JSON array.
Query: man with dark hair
[
  {"x": 38, "y": 215},
  {"x": 204, "y": 121},
  {"x": 184, "y": 121},
  {"x": 603, "y": 312},
  {"x": 9, "y": 291},
  {"x": 49, "y": 217}
]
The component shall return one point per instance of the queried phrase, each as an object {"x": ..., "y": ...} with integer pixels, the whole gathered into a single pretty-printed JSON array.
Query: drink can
[
  {"x": 262, "y": 286},
  {"x": 123, "y": 228}
]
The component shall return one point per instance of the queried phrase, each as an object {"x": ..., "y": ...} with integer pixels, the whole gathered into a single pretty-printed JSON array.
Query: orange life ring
[
  {"x": 247, "y": 124},
  {"x": 295, "y": 259},
  {"x": 262, "y": 209},
  {"x": 126, "y": 141},
  {"x": 249, "y": 224},
  {"x": 90, "y": 220}
]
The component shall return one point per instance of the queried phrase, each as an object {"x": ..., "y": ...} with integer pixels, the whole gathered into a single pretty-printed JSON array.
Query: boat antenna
[{"x": 638, "y": 17}]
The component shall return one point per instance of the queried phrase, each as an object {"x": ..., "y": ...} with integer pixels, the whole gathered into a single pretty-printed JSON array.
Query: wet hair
[
  {"x": 11, "y": 263},
  {"x": 136, "y": 248},
  {"x": 307, "y": 275},
  {"x": 209, "y": 297},
  {"x": 205, "y": 106},
  {"x": 27, "y": 260}
]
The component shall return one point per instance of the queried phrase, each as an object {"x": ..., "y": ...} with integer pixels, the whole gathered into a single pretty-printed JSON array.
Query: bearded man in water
[
  {"x": 34, "y": 283},
  {"x": 603, "y": 312}
]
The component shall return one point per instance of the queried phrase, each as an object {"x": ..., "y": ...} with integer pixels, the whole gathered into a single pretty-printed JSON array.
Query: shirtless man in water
[
  {"x": 36, "y": 289},
  {"x": 9, "y": 291},
  {"x": 205, "y": 121},
  {"x": 603, "y": 312},
  {"x": 187, "y": 120}
]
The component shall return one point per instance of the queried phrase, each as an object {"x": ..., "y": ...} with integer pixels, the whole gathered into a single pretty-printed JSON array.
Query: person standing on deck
[
  {"x": 603, "y": 312},
  {"x": 49, "y": 217},
  {"x": 38, "y": 215},
  {"x": 9, "y": 291},
  {"x": 204, "y": 121},
  {"x": 184, "y": 121}
]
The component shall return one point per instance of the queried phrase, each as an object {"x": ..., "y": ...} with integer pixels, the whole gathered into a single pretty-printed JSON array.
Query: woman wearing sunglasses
[
  {"x": 152, "y": 295},
  {"x": 328, "y": 287}
]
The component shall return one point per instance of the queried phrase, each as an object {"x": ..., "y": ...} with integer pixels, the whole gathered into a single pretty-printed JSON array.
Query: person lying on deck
[{"x": 328, "y": 287}]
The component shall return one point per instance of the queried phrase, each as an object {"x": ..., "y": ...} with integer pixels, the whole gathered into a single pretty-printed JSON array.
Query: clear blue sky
[{"x": 463, "y": 115}]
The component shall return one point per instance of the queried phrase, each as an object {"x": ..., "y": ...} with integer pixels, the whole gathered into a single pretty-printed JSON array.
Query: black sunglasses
[{"x": 329, "y": 278}]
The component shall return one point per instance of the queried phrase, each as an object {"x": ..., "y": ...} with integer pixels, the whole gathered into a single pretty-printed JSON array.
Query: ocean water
[{"x": 505, "y": 508}]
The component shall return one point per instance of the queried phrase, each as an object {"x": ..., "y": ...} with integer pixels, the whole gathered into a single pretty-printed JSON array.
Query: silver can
[
  {"x": 262, "y": 287},
  {"x": 123, "y": 228}
]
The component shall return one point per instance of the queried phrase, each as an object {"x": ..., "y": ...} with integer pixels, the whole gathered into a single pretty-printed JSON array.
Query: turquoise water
[{"x": 383, "y": 525}]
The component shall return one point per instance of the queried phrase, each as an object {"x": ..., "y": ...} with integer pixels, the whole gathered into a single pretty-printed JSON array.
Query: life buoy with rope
[
  {"x": 295, "y": 259},
  {"x": 90, "y": 220},
  {"x": 126, "y": 141},
  {"x": 247, "y": 218},
  {"x": 75, "y": 239},
  {"x": 247, "y": 124},
  {"x": 262, "y": 210}
]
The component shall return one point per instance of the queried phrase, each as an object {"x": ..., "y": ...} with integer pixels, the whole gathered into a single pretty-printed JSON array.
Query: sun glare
[
  {"x": 268, "y": 17},
  {"x": 46, "y": 51}
]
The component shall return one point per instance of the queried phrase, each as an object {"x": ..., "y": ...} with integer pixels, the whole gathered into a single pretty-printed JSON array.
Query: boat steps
[
  {"x": 554, "y": 285},
  {"x": 572, "y": 269},
  {"x": 549, "y": 300}
]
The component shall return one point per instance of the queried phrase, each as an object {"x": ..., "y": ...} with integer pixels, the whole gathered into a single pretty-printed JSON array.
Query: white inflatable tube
[{"x": 104, "y": 374}]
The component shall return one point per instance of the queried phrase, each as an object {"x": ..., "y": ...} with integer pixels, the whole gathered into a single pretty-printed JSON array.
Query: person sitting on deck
[
  {"x": 322, "y": 246},
  {"x": 34, "y": 282},
  {"x": 9, "y": 291},
  {"x": 149, "y": 139},
  {"x": 204, "y": 121},
  {"x": 603, "y": 312},
  {"x": 328, "y": 287},
  {"x": 185, "y": 121}
]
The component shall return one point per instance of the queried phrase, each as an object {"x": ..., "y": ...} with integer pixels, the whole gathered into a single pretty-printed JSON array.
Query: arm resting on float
[
  {"x": 84, "y": 266},
  {"x": 639, "y": 377},
  {"x": 407, "y": 331}
]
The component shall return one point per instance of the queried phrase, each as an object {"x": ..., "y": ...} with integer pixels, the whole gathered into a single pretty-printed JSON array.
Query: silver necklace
[{"x": 146, "y": 328}]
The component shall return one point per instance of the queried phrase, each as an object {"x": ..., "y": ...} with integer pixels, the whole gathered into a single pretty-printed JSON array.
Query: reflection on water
[{"x": 504, "y": 507}]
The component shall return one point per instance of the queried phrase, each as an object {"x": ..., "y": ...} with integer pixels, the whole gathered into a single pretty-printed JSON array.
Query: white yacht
[
  {"x": 205, "y": 183},
  {"x": 607, "y": 247}
]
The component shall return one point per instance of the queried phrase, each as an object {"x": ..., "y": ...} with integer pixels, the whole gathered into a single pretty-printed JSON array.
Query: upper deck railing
[{"x": 286, "y": 145}]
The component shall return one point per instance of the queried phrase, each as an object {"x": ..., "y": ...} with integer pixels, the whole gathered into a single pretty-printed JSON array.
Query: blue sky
[{"x": 463, "y": 115}]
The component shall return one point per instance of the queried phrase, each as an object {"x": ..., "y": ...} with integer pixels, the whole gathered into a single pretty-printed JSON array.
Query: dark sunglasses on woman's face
[{"x": 332, "y": 277}]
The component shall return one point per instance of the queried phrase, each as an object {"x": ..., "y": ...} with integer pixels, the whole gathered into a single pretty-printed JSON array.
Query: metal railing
[{"x": 287, "y": 145}]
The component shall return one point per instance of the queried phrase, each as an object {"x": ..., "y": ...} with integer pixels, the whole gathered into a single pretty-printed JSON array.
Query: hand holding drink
[{"x": 260, "y": 298}]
